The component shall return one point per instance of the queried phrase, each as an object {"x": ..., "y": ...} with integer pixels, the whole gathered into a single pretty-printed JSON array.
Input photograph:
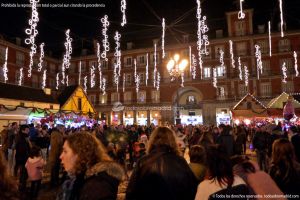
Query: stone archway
[{"x": 183, "y": 91}]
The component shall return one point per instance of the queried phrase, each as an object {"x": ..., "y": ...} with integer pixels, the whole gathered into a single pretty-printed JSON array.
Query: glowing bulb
[
  {"x": 170, "y": 65},
  {"x": 183, "y": 64},
  {"x": 176, "y": 57}
]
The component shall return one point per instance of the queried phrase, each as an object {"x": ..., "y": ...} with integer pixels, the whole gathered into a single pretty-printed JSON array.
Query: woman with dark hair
[
  {"x": 8, "y": 187},
  {"x": 93, "y": 174},
  {"x": 197, "y": 161},
  {"x": 206, "y": 139},
  {"x": 220, "y": 178},
  {"x": 162, "y": 174},
  {"x": 284, "y": 169}
]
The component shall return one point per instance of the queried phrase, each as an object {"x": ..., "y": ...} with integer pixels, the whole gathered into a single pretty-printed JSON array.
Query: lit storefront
[
  {"x": 191, "y": 117},
  {"x": 128, "y": 118},
  {"x": 223, "y": 116},
  {"x": 141, "y": 118}
]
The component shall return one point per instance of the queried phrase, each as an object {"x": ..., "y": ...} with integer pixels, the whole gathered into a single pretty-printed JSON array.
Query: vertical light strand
[
  {"x": 105, "y": 42},
  {"x": 44, "y": 79},
  {"x": 117, "y": 58},
  {"x": 270, "y": 39},
  {"x": 5, "y": 68},
  {"x": 99, "y": 65},
  {"x": 67, "y": 80},
  {"x": 92, "y": 76},
  {"x": 67, "y": 55},
  {"x": 222, "y": 58},
  {"x": 258, "y": 61},
  {"x": 124, "y": 81},
  {"x": 21, "y": 76},
  {"x": 79, "y": 74},
  {"x": 123, "y": 10},
  {"x": 42, "y": 55},
  {"x": 284, "y": 69},
  {"x": 215, "y": 81},
  {"x": 281, "y": 18},
  {"x": 240, "y": 69},
  {"x": 103, "y": 89},
  {"x": 57, "y": 81},
  {"x": 194, "y": 66},
  {"x": 296, "y": 63},
  {"x": 32, "y": 33},
  {"x": 158, "y": 81},
  {"x": 155, "y": 69},
  {"x": 246, "y": 75},
  {"x": 147, "y": 68},
  {"x": 85, "y": 84},
  {"x": 163, "y": 38},
  {"x": 190, "y": 58},
  {"x": 241, "y": 14},
  {"x": 231, "y": 53}
]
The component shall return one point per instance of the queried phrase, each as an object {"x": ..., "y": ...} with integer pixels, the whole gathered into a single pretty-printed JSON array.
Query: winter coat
[
  {"x": 34, "y": 168},
  {"x": 22, "y": 148},
  {"x": 296, "y": 143},
  {"x": 56, "y": 142},
  {"x": 226, "y": 141},
  {"x": 162, "y": 175},
  {"x": 100, "y": 182}
]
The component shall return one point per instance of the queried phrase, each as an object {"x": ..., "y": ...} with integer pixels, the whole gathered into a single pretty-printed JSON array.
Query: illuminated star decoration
[
  {"x": 281, "y": 18},
  {"x": 32, "y": 33},
  {"x": 163, "y": 38},
  {"x": 117, "y": 63},
  {"x": 21, "y": 76},
  {"x": 194, "y": 64},
  {"x": 79, "y": 75},
  {"x": 105, "y": 42},
  {"x": 123, "y": 10},
  {"x": 67, "y": 55},
  {"x": 215, "y": 81},
  {"x": 246, "y": 75},
  {"x": 241, "y": 14},
  {"x": 296, "y": 63},
  {"x": 284, "y": 69},
  {"x": 147, "y": 68},
  {"x": 57, "y": 81},
  {"x": 92, "y": 78},
  {"x": 85, "y": 84},
  {"x": 5, "y": 69},
  {"x": 270, "y": 39},
  {"x": 44, "y": 79},
  {"x": 240, "y": 69},
  {"x": 99, "y": 65},
  {"x": 42, "y": 55},
  {"x": 258, "y": 60},
  {"x": 231, "y": 54}
]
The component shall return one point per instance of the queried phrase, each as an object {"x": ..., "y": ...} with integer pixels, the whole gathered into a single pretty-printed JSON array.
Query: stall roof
[{"x": 279, "y": 101}]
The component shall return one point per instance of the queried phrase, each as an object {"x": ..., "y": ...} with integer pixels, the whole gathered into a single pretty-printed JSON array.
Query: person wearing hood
[{"x": 93, "y": 174}]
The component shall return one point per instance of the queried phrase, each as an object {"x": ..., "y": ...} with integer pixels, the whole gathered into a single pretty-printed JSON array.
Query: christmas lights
[
  {"x": 222, "y": 57},
  {"x": 194, "y": 65},
  {"x": 85, "y": 84},
  {"x": 92, "y": 78},
  {"x": 5, "y": 69},
  {"x": 147, "y": 69},
  {"x": 79, "y": 74},
  {"x": 182, "y": 79},
  {"x": 281, "y": 18},
  {"x": 67, "y": 80},
  {"x": 117, "y": 64},
  {"x": 215, "y": 81},
  {"x": 158, "y": 81},
  {"x": 231, "y": 53},
  {"x": 240, "y": 69},
  {"x": 44, "y": 79},
  {"x": 163, "y": 38},
  {"x": 103, "y": 86},
  {"x": 258, "y": 60},
  {"x": 137, "y": 83},
  {"x": 241, "y": 14},
  {"x": 296, "y": 63},
  {"x": 124, "y": 82},
  {"x": 42, "y": 55},
  {"x": 67, "y": 56},
  {"x": 246, "y": 73},
  {"x": 123, "y": 10},
  {"x": 284, "y": 69},
  {"x": 222, "y": 91},
  {"x": 57, "y": 81},
  {"x": 21, "y": 76},
  {"x": 99, "y": 65},
  {"x": 190, "y": 58},
  {"x": 105, "y": 42},
  {"x": 135, "y": 74},
  {"x": 32, "y": 33},
  {"x": 270, "y": 39},
  {"x": 201, "y": 66},
  {"x": 155, "y": 69}
]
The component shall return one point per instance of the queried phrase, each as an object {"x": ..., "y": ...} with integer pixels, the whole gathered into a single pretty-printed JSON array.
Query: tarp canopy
[{"x": 15, "y": 113}]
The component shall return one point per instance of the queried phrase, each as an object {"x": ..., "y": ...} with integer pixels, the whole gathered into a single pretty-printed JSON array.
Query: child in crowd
[{"x": 34, "y": 166}]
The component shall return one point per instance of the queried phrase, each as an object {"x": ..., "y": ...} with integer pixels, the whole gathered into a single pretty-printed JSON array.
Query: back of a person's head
[
  {"x": 163, "y": 136},
  {"x": 197, "y": 154},
  {"x": 243, "y": 162},
  {"x": 282, "y": 151},
  {"x": 35, "y": 151}
]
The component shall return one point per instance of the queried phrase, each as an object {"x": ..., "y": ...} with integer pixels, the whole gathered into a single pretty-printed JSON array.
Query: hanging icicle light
[
  {"x": 57, "y": 81},
  {"x": 231, "y": 53},
  {"x": 222, "y": 57},
  {"x": 67, "y": 80},
  {"x": 79, "y": 74},
  {"x": 5, "y": 68},
  {"x": 258, "y": 61},
  {"x": 105, "y": 42},
  {"x": 296, "y": 63},
  {"x": 155, "y": 69},
  {"x": 117, "y": 63},
  {"x": 44, "y": 79},
  {"x": 281, "y": 18},
  {"x": 158, "y": 81},
  {"x": 103, "y": 89},
  {"x": 147, "y": 69},
  {"x": 163, "y": 38},
  {"x": 241, "y": 14},
  {"x": 240, "y": 69},
  {"x": 135, "y": 74},
  {"x": 92, "y": 78},
  {"x": 270, "y": 39},
  {"x": 32, "y": 33},
  {"x": 137, "y": 83},
  {"x": 190, "y": 58},
  {"x": 182, "y": 79},
  {"x": 215, "y": 81},
  {"x": 246, "y": 78},
  {"x": 85, "y": 84},
  {"x": 124, "y": 82},
  {"x": 67, "y": 55},
  {"x": 42, "y": 55},
  {"x": 123, "y": 10},
  {"x": 284, "y": 70},
  {"x": 21, "y": 76},
  {"x": 99, "y": 65},
  {"x": 194, "y": 66},
  {"x": 222, "y": 91}
]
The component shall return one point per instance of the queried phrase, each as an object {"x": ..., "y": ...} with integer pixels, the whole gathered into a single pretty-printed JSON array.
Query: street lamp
[{"x": 176, "y": 69}]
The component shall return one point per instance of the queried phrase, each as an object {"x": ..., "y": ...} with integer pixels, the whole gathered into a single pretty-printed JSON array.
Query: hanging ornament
[
  {"x": 42, "y": 55},
  {"x": 67, "y": 55},
  {"x": 194, "y": 65},
  {"x": 158, "y": 81},
  {"x": 5, "y": 68},
  {"x": 215, "y": 81},
  {"x": 85, "y": 84},
  {"x": 231, "y": 53},
  {"x": 246, "y": 78},
  {"x": 163, "y": 38},
  {"x": 79, "y": 75},
  {"x": 241, "y": 14},
  {"x": 124, "y": 82},
  {"x": 103, "y": 86},
  {"x": 284, "y": 70},
  {"x": 281, "y": 18},
  {"x": 67, "y": 80},
  {"x": 99, "y": 65},
  {"x": 222, "y": 57},
  {"x": 258, "y": 61},
  {"x": 123, "y": 10},
  {"x": 117, "y": 63},
  {"x": 155, "y": 69},
  {"x": 92, "y": 78},
  {"x": 240, "y": 69},
  {"x": 105, "y": 42}
]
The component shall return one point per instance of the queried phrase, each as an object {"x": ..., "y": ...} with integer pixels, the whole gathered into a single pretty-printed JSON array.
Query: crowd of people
[{"x": 175, "y": 162}]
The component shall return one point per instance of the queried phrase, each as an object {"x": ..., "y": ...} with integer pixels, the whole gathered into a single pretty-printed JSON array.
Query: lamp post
[{"x": 176, "y": 67}]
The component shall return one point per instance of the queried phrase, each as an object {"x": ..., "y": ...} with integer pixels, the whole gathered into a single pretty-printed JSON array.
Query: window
[
  {"x": 241, "y": 49},
  {"x": 208, "y": 55},
  {"x": 218, "y": 48},
  {"x": 128, "y": 61},
  {"x": 127, "y": 79},
  {"x": 221, "y": 70},
  {"x": 265, "y": 89},
  {"x": 155, "y": 96},
  {"x": 264, "y": 46},
  {"x": 2, "y": 54},
  {"x": 243, "y": 90},
  {"x": 185, "y": 53},
  {"x": 222, "y": 92},
  {"x": 240, "y": 28},
  {"x": 92, "y": 99},
  {"x": 93, "y": 63},
  {"x": 104, "y": 64},
  {"x": 20, "y": 58},
  {"x": 141, "y": 97},
  {"x": 142, "y": 78},
  {"x": 79, "y": 103},
  {"x": 52, "y": 68},
  {"x": 141, "y": 60},
  {"x": 207, "y": 72},
  {"x": 266, "y": 67},
  {"x": 103, "y": 99},
  {"x": 288, "y": 64},
  {"x": 152, "y": 58},
  {"x": 35, "y": 63},
  {"x": 288, "y": 87},
  {"x": 127, "y": 97},
  {"x": 284, "y": 45},
  {"x": 35, "y": 81},
  {"x": 83, "y": 66},
  {"x": 17, "y": 77},
  {"x": 115, "y": 97},
  {"x": 52, "y": 83}
]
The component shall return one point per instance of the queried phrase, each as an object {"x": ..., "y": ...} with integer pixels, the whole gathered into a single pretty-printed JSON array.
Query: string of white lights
[
  {"x": 231, "y": 53},
  {"x": 222, "y": 91},
  {"x": 163, "y": 38},
  {"x": 190, "y": 58},
  {"x": 296, "y": 63},
  {"x": 201, "y": 66},
  {"x": 221, "y": 57},
  {"x": 5, "y": 68},
  {"x": 42, "y": 55},
  {"x": 258, "y": 60},
  {"x": 281, "y": 18},
  {"x": 105, "y": 42},
  {"x": 240, "y": 69},
  {"x": 215, "y": 81},
  {"x": 270, "y": 39},
  {"x": 44, "y": 79},
  {"x": 135, "y": 74},
  {"x": 194, "y": 66},
  {"x": 32, "y": 33},
  {"x": 21, "y": 76},
  {"x": 103, "y": 89},
  {"x": 158, "y": 81},
  {"x": 67, "y": 80},
  {"x": 124, "y": 81},
  {"x": 241, "y": 14},
  {"x": 246, "y": 74},
  {"x": 155, "y": 69},
  {"x": 79, "y": 74},
  {"x": 117, "y": 64},
  {"x": 284, "y": 70},
  {"x": 99, "y": 65},
  {"x": 85, "y": 84},
  {"x": 123, "y": 10},
  {"x": 182, "y": 79},
  {"x": 68, "y": 47},
  {"x": 147, "y": 68},
  {"x": 92, "y": 78},
  {"x": 137, "y": 83},
  {"x": 57, "y": 81}
]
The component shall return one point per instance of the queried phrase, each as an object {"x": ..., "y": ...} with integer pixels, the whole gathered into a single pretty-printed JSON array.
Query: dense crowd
[{"x": 91, "y": 162}]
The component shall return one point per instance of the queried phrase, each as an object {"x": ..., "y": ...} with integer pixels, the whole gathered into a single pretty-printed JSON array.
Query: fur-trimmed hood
[{"x": 111, "y": 168}]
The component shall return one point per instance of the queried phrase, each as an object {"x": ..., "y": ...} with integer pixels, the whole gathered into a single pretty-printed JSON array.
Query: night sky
[{"x": 143, "y": 19}]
